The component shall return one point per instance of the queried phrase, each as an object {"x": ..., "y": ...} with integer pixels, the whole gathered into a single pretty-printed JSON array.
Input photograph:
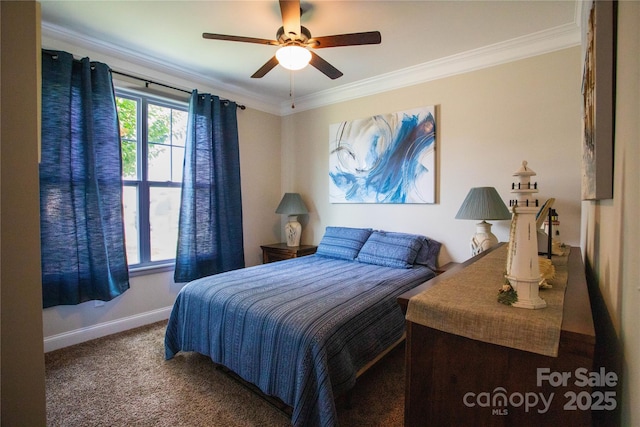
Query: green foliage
[
  {"x": 127, "y": 116},
  {"x": 507, "y": 295},
  {"x": 159, "y": 129},
  {"x": 159, "y": 124}
]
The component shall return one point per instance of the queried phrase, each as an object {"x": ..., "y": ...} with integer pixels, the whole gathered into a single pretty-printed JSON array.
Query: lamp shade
[
  {"x": 483, "y": 203},
  {"x": 293, "y": 57},
  {"x": 291, "y": 204}
]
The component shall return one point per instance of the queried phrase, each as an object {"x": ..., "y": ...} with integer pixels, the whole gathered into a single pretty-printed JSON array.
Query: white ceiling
[{"x": 421, "y": 40}]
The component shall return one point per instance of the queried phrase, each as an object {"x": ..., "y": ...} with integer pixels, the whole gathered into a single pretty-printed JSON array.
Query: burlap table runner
[{"x": 466, "y": 304}]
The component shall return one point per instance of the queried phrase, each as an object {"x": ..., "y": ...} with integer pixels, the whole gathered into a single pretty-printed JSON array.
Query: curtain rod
[{"x": 147, "y": 82}]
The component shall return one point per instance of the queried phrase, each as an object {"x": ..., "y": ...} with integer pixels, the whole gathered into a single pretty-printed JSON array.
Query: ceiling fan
[{"x": 295, "y": 39}]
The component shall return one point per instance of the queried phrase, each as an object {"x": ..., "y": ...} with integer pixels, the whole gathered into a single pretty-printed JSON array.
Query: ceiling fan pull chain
[{"x": 291, "y": 90}]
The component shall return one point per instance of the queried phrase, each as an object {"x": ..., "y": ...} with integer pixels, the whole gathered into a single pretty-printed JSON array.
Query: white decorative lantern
[{"x": 523, "y": 271}]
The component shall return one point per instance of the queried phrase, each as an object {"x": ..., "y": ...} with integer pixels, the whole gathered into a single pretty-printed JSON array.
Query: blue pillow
[
  {"x": 342, "y": 242},
  {"x": 398, "y": 250},
  {"x": 428, "y": 253}
]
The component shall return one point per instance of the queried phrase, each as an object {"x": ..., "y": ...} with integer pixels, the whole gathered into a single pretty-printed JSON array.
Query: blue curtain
[
  {"x": 81, "y": 216},
  {"x": 210, "y": 226}
]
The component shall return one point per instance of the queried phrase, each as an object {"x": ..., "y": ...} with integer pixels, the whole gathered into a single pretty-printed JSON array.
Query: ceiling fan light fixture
[{"x": 293, "y": 57}]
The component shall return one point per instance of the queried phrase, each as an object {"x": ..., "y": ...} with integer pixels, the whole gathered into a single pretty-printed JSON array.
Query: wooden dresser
[{"x": 452, "y": 380}]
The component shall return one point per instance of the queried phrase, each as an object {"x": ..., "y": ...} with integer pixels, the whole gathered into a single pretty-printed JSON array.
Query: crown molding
[
  {"x": 146, "y": 66},
  {"x": 547, "y": 41},
  {"x": 561, "y": 37}
]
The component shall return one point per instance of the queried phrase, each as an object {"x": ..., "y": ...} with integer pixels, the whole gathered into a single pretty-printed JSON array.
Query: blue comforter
[{"x": 298, "y": 329}]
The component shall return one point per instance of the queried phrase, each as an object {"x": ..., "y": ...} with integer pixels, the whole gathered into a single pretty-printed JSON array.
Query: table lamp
[
  {"x": 292, "y": 205},
  {"x": 483, "y": 203}
]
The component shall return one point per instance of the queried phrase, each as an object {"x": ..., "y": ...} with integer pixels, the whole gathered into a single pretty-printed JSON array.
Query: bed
[{"x": 302, "y": 329}]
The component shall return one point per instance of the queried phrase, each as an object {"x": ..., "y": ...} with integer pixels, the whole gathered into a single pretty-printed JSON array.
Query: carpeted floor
[{"x": 123, "y": 380}]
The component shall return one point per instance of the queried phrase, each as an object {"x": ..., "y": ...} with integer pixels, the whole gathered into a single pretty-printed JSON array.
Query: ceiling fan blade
[
  {"x": 353, "y": 39},
  {"x": 225, "y": 37},
  {"x": 326, "y": 68},
  {"x": 268, "y": 66},
  {"x": 290, "y": 10}
]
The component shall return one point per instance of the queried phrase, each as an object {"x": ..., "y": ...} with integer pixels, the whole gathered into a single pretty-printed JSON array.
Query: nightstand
[{"x": 280, "y": 251}]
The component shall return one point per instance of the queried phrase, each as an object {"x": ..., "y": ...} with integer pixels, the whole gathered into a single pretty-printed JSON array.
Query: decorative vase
[{"x": 293, "y": 230}]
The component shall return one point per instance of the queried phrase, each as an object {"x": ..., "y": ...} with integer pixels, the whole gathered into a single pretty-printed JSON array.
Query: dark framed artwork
[{"x": 598, "y": 92}]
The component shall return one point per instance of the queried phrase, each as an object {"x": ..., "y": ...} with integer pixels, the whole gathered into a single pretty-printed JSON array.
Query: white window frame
[{"x": 146, "y": 266}]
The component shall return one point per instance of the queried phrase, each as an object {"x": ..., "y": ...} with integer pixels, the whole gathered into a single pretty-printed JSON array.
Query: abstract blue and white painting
[{"x": 388, "y": 158}]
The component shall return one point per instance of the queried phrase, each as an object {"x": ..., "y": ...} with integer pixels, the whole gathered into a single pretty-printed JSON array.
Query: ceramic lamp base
[
  {"x": 483, "y": 239},
  {"x": 293, "y": 230}
]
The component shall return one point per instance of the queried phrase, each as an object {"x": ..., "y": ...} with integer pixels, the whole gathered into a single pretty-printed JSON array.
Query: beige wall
[
  {"x": 22, "y": 369},
  {"x": 260, "y": 157},
  {"x": 488, "y": 122},
  {"x": 612, "y": 230}
]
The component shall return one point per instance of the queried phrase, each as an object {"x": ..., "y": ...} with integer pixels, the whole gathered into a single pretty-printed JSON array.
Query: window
[{"x": 153, "y": 133}]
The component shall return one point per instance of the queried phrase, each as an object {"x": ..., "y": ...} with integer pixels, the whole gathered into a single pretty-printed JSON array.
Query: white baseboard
[{"x": 55, "y": 342}]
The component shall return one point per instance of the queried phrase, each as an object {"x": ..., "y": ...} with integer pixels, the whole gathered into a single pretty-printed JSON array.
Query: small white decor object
[{"x": 523, "y": 272}]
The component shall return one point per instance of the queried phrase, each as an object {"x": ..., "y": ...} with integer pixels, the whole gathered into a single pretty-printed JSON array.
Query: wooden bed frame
[{"x": 344, "y": 399}]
